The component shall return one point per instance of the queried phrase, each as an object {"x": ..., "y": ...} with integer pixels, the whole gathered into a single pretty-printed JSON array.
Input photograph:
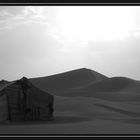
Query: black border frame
[{"x": 62, "y": 3}]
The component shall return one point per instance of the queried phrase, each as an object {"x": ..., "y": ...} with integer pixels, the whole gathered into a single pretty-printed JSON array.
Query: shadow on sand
[
  {"x": 130, "y": 121},
  {"x": 57, "y": 120},
  {"x": 135, "y": 115},
  {"x": 121, "y": 111}
]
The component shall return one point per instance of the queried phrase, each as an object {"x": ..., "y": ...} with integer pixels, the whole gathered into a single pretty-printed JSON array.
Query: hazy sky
[{"x": 44, "y": 40}]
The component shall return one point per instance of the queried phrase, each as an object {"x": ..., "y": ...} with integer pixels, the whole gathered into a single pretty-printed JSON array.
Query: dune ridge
[
  {"x": 88, "y": 83},
  {"x": 113, "y": 84},
  {"x": 68, "y": 80},
  {"x": 86, "y": 98}
]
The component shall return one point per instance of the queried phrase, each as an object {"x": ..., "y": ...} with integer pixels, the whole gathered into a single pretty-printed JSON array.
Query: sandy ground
[
  {"x": 83, "y": 115},
  {"x": 81, "y": 106},
  {"x": 74, "y": 125}
]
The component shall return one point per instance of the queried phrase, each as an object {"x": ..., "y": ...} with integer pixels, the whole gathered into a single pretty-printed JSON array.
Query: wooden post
[{"x": 8, "y": 104}]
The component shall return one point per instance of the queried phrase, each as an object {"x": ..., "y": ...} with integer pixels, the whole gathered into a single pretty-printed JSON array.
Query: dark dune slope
[
  {"x": 113, "y": 84},
  {"x": 112, "y": 89},
  {"x": 68, "y": 80}
]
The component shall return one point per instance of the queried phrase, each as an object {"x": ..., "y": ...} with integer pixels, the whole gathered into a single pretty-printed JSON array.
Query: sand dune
[
  {"x": 96, "y": 108},
  {"x": 113, "y": 84},
  {"x": 88, "y": 83},
  {"x": 83, "y": 115},
  {"x": 105, "y": 98},
  {"x": 85, "y": 80},
  {"x": 87, "y": 102},
  {"x": 72, "y": 79}
]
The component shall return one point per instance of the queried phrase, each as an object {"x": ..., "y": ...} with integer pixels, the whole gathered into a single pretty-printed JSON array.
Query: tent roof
[
  {"x": 37, "y": 95},
  {"x": 3, "y": 83},
  {"x": 3, "y": 86}
]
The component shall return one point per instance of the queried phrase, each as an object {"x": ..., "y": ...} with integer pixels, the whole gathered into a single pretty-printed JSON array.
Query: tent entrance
[{"x": 3, "y": 108}]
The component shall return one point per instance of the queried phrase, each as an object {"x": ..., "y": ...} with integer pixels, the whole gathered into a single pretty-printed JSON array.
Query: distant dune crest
[
  {"x": 113, "y": 84},
  {"x": 88, "y": 83},
  {"x": 68, "y": 80}
]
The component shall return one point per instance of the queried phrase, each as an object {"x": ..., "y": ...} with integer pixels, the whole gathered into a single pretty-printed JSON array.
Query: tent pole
[{"x": 8, "y": 104}]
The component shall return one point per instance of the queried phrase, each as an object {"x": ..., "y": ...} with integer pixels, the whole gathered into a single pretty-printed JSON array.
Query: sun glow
[{"x": 85, "y": 23}]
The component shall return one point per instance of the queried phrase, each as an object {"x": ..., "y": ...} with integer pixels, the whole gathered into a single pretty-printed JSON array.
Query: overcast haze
[{"x": 39, "y": 41}]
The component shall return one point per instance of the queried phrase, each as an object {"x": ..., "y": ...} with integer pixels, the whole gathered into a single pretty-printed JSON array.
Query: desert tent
[
  {"x": 20, "y": 100},
  {"x": 3, "y": 83}
]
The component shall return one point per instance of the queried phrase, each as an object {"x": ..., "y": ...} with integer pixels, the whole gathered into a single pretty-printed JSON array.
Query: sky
[{"x": 37, "y": 41}]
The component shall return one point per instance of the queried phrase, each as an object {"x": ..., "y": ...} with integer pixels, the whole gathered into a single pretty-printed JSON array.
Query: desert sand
[{"x": 86, "y": 102}]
